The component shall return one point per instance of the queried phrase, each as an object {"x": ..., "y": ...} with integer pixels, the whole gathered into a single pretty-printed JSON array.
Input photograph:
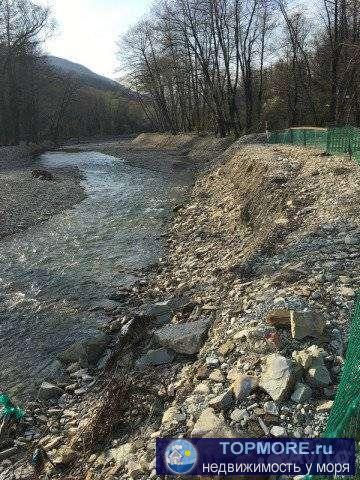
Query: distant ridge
[{"x": 87, "y": 77}]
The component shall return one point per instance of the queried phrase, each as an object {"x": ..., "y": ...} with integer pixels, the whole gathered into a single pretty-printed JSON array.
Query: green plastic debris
[{"x": 9, "y": 409}]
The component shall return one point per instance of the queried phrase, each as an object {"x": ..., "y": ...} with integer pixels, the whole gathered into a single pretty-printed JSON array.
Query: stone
[
  {"x": 243, "y": 386},
  {"x": 277, "y": 431},
  {"x": 325, "y": 406},
  {"x": 271, "y": 408},
  {"x": 155, "y": 357},
  {"x": 306, "y": 324},
  {"x": 301, "y": 393},
  {"x": 278, "y": 377},
  {"x": 186, "y": 338},
  {"x": 210, "y": 425},
  {"x": 227, "y": 347},
  {"x": 66, "y": 456},
  {"x": 318, "y": 375},
  {"x": 307, "y": 356},
  {"x": 53, "y": 443},
  {"x": 239, "y": 414},
  {"x": 48, "y": 391},
  {"x": 279, "y": 317},
  {"x": 347, "y": 292},
  {"x": 223, "y": 401},
  {"x": 86, "y": 352},
  {"x": 160, "y": 312},
  {"x": 134, "y": 469},
  {"x": 121, "y": 454},
  {"x": 216, "y": 376},
  {"x": 172, "y": 416}
]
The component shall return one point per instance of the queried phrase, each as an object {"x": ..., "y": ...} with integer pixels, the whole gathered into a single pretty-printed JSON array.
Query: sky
[{"x": 87, "y": 30}]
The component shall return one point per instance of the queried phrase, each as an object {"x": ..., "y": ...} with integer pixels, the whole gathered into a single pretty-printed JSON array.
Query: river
[{"x": 53, "y": 273}]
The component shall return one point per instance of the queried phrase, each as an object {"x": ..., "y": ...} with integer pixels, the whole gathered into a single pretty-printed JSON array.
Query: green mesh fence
[
  {"x": 344, "y": 418},
  {"x": 332, "y": 140}
]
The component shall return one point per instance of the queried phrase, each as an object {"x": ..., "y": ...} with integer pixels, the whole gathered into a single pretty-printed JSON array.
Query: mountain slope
[{"x": 87, "y": 77}]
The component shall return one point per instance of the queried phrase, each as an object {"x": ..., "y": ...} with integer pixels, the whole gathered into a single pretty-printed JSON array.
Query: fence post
[
  {"x": 328, "y": 141},
  {"x": 304, "y": 135}
]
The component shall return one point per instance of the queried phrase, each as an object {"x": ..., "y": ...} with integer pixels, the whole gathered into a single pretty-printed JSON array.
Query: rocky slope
[{"x": 241, "y": 330}]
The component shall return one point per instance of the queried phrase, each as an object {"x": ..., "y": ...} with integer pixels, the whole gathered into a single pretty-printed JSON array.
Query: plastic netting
[
  {"x": 344, "y": 418},
  {"x": 333, "y": 140}
]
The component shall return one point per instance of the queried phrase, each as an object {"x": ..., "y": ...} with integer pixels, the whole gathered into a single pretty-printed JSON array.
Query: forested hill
[{"x": 87, "y": 77}]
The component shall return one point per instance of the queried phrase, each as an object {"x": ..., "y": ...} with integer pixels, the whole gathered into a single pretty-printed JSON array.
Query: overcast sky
[{"x": 88, "y": 29}]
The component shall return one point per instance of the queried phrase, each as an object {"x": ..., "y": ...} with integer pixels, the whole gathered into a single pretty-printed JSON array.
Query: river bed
[{"x": 54, "y": 272}]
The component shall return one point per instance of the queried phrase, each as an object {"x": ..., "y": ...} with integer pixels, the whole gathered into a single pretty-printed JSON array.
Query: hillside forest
[
  {"x": 39, "y": 102},
  {"x": 221, "y": 66},
  {"x": 235, "y": 66}
]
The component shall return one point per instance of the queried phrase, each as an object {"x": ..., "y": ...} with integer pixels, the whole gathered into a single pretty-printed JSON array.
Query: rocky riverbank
[
  {"x": 240, "y": 331},
  {"x": 29, "y": 195}
]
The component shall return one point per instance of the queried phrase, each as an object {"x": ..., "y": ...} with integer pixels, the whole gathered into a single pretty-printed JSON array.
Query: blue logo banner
[{"x": 255, "y": 456}]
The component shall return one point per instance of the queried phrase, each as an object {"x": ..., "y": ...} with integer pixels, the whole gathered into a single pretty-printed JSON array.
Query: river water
[{"x": 52, "y": 273}]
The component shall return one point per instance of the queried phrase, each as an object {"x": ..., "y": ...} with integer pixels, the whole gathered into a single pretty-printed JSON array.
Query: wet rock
[
  {"x": 306, "y": 324},
  {"x": 48, "y": 391},
  {"x": 243, "y": 386},
  {"x": 278, "y": 377},
  {"x": 186, "y": 338},
  {"x": 86, "y": 352},
  {"x": 211, "y": 425},
  {"x": 155, "y": 357},
  {"x": 301, "y": 393}
]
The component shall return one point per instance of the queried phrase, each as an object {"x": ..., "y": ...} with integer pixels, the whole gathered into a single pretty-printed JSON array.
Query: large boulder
[
  {"x": 86, "y": 352},
  {"x": 186, "y": 338},
  {"x": 155, "y": 357},
  {"x": 48, "y": 391},
  {"x": 306, "y": 324},
  {"x": 278, "y": 377}
]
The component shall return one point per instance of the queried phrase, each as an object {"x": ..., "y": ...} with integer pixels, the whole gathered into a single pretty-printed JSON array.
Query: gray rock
[
  {"x": 186, "y": 338},
  {"x": 48, "y": 391},
  {"x": 86, "y": 352},
  {"x": 223, "y": 401},
  {"x": 211, "y": 425},
  {"x": 278, "y": 377},
  {"x": 306, "y": 324},
  {"x": 239, "y": 414},
  {"x": 318, "y": 375},
  {"x": 155, "y": 357},
  {"x": 271, "y": 408},
  {"x": 301, "y": 393}
]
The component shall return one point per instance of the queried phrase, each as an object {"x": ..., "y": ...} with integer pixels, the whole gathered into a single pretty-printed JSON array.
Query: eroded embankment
[{"x": 242, "y": 329}]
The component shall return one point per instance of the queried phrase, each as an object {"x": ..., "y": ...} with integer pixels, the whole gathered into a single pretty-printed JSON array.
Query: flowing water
[{"x": 52, "y": 273}]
